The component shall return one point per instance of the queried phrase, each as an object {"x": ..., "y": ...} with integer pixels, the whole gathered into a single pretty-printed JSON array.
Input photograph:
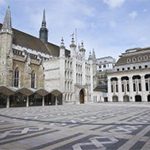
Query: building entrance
[{"x": 82, "y": 96}]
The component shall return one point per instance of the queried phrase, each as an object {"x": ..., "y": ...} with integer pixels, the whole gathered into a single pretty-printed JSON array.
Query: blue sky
[{"x": 107, "y": 26}]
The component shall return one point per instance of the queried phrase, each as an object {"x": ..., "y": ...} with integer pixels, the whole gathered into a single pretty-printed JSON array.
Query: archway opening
[
  {"x": 115, "y": 98},
  {"x": 56, "y": 97},
  {"x": 82, "y": 96},
  {"x": 126, "y": 98},
  {"x": 148, "y": 98},
  {"x": 18, "y": 100},
  {"x": 3, "y": 100},
  {"x": 138, "y": 98},
  {"x": 35, "y": 100}
]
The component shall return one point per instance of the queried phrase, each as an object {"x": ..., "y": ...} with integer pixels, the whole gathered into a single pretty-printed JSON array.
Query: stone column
[
  {"x": 27, "y": 102},
  {"x": 43, "y": 101},
  {"x": 55, "y": 100},
  {"x": 8, "y": 102},
  {"x": 109, "y": 89},
  {"x": 120, "y": 97},
  {"x": 131, "y": 94},
  {"x": 143, "y": 85}
]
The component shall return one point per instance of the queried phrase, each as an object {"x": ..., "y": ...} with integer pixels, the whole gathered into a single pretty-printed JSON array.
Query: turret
[
  {"x": 6, "y": 27},
  {"x": 82, "y": 49},
  {"x": 73, "y": 46},
  {"x": 6, "y": 35},
  {"x": 90, "y": 56},
  {"x": 62, "y": 49},
  {"x": 43, "y": 33}
]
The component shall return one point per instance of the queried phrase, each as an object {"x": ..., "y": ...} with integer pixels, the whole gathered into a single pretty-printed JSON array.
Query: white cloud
[
  {"x": 114, "y": 3},
  {"x": 133, "y": 14}
]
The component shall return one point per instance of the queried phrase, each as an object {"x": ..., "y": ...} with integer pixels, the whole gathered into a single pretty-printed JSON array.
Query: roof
[
  {"x": 101, "y": 88},
  {"x": 133, "y": 56},
  {"x": 26, "y": 40}
]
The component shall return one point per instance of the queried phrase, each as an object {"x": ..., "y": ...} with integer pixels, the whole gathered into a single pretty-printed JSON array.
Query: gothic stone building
[
  {"x": 29, "y": 68},
  {"x": 130, "y": 79},
  {"x": 72, "y": 75}
]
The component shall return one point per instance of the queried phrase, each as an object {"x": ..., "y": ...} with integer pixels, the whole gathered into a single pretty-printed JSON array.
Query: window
[
  {"x": 134, "y": 87},
  {"x": 134, "y": 67},
  {"x": 146, "y": 66},
  {"x": 146, "y": 86},
  {"x": 128, "y": 68},
  {"x": 140, "y": 67},
  {"x": 122, "y": 69},
  {"x": 112, "y": 90},
  {"x": 122, "y": 87},
  {"x": 16, "y": 77},
  {"x": 32, "y": 79},
  {"x": 117, "y": 69}
]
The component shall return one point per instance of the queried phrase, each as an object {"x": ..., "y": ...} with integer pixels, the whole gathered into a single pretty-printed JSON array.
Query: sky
[{"x": 108, "y": 26}]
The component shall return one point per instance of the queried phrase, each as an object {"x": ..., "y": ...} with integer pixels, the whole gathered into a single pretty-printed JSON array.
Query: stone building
[
  {"x": 130, "y": 79},
  {"x": 104, "y": 65},
  {"x": 29, "y": 73},
  {"x": 73, "y": 75}
]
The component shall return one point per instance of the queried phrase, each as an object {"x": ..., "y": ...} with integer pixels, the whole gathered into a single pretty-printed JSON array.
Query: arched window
[
  {"x": 32, "y": 79},
  {"x": 16, "y": 77}
]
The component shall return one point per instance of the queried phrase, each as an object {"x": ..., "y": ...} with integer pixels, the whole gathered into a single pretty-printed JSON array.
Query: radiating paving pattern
[{"x": 76, "y": 127}]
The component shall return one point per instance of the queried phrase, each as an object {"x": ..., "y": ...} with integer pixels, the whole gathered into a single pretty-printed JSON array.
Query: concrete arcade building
[
  {"x": 34, "y": 72},
  {"x": 129, "y": 81}
]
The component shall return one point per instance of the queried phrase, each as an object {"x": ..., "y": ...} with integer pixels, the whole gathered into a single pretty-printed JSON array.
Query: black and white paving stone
[{"x": 106, "y": 126}]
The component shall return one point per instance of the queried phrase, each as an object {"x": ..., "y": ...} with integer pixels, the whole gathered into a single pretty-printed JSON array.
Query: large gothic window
[
  {"x": 32, "y": 79},
  {"x": 16, "y": 77}
]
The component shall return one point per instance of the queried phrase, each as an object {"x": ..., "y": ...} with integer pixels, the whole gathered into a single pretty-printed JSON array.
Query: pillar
[
  {"x": 55, "y": 100},
  {"x": 27, "y": 102},
  {"x": 143, "y": 94},
  {"x": 120, "y": 97},
  {"x": 43, "y": 101},
  {"x": 8, "y": 102},
  {"x": 131, "y": 95},
  {"x": 109, "y": 89}
]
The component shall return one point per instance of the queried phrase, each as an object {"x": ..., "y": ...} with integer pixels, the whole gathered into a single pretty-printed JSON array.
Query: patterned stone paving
[{"x": 106, "y": 126}]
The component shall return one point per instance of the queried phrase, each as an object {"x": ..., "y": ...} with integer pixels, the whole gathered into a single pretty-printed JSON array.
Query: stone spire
[
  {"x": 90, "y": 56},
  {"x": 6, "y": 27},
  {"x": 44, "y": 20},
  {"x": 62, "y": 48},
  {"x": 93, "y": 54},
  {"x": 72, "y": 45},
  {"x": 43, "y": 33},
  {"x": 82, "y": 49},
  {"x": 62, "y": 45}
]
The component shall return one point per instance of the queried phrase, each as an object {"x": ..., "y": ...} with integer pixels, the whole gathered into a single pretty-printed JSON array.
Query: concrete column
[
  {"x": 55, "y": 100},
  {"x": 8, "y": 102},
  {"x": 43, "y": 101},
  {"x": 120, "y": 98},
  {"x": 109, "y": 89},
  {"x": 143, "y": 85},
  {"x": 131, "y": 94},
  {"x": 27, "y": 102}
]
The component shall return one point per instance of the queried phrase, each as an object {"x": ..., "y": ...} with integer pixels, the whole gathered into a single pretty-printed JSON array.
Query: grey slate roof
[
  {"x": 31, "y": 42},
  {"x": 138, "y": 55}
]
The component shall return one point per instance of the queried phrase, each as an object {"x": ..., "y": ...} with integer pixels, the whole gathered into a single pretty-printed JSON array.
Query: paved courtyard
[{"x": 106, "y": 126}]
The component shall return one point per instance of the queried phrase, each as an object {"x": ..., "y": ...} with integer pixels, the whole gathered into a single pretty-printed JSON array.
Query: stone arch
[
  {"x": 115, "y": 98},
  {"x": 148, "y": 98},
  {"x": 82, "y": 96},
  {"x": 57, "y": 98},
  {"x": 138, "y": 98},
  {"x": 126, "y": 98}
]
